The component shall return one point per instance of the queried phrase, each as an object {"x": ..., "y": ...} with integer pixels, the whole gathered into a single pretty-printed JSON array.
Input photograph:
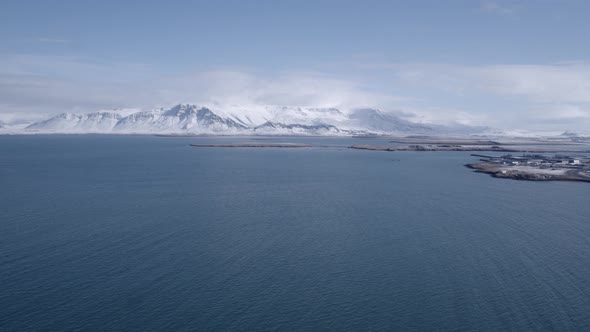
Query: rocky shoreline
[{"x": 528, "y": 173}]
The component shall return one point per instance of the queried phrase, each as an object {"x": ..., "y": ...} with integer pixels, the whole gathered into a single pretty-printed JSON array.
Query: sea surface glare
[{"x": 147, "y": 233}]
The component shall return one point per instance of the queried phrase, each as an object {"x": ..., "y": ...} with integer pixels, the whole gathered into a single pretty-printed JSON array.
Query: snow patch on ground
[{"x": 534, "y": 170}]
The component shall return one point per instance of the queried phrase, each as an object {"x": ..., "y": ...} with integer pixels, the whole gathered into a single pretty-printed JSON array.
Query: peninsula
[{"x": 534, "y": 167}]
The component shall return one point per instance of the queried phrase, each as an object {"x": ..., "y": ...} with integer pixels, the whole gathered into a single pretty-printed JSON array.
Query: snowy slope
[
  {"x": 178, "y": 119},
  {"x": 95, "y": 122},
  {"x": 376, "y": 121},
  {"x": 574, "y": 134}
]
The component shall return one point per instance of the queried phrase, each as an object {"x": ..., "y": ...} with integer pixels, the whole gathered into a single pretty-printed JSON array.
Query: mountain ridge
[{"x": 265, "y": 120}]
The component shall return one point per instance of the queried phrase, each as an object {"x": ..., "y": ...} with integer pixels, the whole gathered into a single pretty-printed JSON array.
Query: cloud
[
  {"x": 44, "y": 85},
  {"x": 284, "y": 88},
  {"x": 446, "y": 116},
  {"x": 497, "y": 7},
  {"x": 53, "y": 40},
  {"x": 540, "y": 91},
  {"x": 562, "y": 113},
  {"x": 569, "y": 82},
  {"x": 37, "y": 86},
  {"x": 505, "y": 95},
  {"x": 539, "y": 83}
]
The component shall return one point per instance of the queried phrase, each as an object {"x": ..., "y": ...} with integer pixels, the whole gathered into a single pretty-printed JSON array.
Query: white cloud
[
  {"x": 539, "y": 83},
  {"x": 287, "y": 88},
  {"x": 447, "y": 116},
  {"x": 497, "y": 7},
  {"x": 43, "y": 85},
  {"x": 559, "y": 91},
  {"x": 53, "y": 40},
  {"x": 562, "y": 113}
]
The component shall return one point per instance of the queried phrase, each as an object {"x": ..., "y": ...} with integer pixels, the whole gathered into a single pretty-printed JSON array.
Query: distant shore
[
  {"x": 469, "y": 148},
  {"x": 252, "y": 145},
  {"x": 530, "y": 167}
]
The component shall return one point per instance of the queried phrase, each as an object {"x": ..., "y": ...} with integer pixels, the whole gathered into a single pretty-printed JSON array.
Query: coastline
[
  {"x": 471, "y": 148},
  {"x": 530, "y": 174}
]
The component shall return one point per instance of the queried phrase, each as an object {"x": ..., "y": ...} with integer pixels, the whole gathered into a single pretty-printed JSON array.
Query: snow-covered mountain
[
  {"x": 178, "y": 119},
  {"x": 374, "y": 120},
  {"x": 95, "y": 122},
  {"x": 258, "y": 120},
  {"x": 574, "y": 134}
]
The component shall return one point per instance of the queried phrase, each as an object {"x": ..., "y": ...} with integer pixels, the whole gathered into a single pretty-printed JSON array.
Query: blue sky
[{"x": 509, "y": 64}]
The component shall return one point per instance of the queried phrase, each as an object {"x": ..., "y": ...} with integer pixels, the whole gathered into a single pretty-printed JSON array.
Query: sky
[{"x": 505, "y": 64}]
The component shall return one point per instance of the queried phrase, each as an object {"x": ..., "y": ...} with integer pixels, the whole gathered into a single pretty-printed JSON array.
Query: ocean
[{"x": 141, "y": 233}]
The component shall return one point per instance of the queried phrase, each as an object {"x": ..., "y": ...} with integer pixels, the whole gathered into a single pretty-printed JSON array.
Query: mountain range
[{"x": 236, "y": 120}]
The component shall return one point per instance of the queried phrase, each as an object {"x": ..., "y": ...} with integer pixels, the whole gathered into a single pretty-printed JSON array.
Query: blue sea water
[{"x": 147, "y": 233}]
